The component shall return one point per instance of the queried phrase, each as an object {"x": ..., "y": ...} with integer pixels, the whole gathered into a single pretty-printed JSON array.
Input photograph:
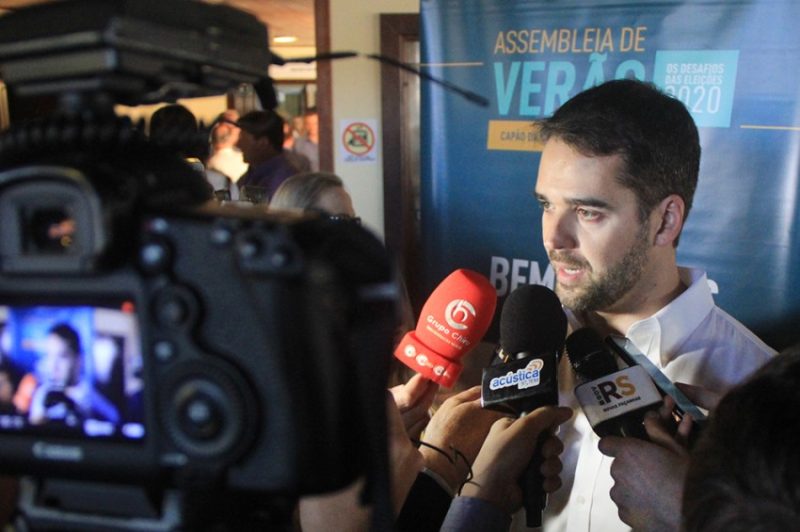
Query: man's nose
[{"x": 558, "y": 231}]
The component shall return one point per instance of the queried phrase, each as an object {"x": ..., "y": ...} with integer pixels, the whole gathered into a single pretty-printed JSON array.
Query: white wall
[{"x": 355, "y": 25}]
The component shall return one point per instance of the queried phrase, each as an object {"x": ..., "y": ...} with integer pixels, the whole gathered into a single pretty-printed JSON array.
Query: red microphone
[{"x": 454, "y": 318}]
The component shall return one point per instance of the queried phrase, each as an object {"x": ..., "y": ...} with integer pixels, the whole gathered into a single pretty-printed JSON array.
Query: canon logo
[{"x": 60, "y": 453}]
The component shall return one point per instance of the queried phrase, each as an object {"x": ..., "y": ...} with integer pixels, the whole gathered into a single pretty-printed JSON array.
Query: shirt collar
[{"x": 662, "y": 334}]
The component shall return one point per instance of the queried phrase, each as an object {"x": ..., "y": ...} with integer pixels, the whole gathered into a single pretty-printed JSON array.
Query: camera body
[
  {"x": 233, "y": 331},
  {"x": 214, "y": 347}
]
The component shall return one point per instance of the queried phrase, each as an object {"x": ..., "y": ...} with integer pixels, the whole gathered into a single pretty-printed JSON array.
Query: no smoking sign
[{"x": 358, "y": 140}]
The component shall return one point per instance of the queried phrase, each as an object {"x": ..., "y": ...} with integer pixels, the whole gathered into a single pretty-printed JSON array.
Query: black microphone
[
  {"x": 629, "y": 354},
  {"x": 614, "y": 400},
  {"x": 532, "y": 330}
]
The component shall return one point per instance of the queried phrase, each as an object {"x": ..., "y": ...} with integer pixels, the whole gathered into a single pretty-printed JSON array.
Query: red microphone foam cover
[{"x": 453, "y": 320}]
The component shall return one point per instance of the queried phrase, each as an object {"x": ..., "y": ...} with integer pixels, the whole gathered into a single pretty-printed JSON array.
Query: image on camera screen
[{"x": 71, "y": 370}]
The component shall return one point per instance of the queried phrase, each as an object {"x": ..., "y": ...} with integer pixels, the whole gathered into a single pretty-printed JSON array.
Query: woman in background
[{"x": 321, "y": 192}]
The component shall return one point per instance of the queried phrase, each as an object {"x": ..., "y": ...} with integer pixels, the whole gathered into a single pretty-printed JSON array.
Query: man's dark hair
[
  {"x": 68, "y": 335},
  {"x": 171, "y": 119},
  {"x": 175, "y": 126},
  {"x": 653, "y": 132},
  {"x": 267, "y": 124},
  {"x": 744, "y": 472}
]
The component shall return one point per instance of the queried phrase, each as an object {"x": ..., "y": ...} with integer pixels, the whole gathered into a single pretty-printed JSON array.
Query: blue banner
[{"x": 734, "y": 65}]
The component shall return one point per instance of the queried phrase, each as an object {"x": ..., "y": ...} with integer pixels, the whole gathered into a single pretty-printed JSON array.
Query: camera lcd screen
[{"x": 72, "y": 370}]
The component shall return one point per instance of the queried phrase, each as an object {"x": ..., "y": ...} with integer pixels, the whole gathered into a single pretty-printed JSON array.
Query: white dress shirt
[
  {"x": 229, "y": 162},
  {"x": 691, "y": 340}
]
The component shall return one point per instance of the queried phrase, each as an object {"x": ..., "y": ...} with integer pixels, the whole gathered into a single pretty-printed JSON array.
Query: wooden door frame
[
  {"x": 322, "y": 29},
  {"x": 398, "y": 201}
]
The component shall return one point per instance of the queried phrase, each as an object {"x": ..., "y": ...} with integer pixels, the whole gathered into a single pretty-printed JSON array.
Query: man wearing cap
[{"x": 261, "y": 142}]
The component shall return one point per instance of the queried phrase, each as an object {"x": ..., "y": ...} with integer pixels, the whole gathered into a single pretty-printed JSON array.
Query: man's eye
[
  {"x": 589, "y": 215},
  {"x": 544, "y": 204}
]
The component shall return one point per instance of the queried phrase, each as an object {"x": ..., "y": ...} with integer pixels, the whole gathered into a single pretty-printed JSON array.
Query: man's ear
[
  {"x": 670, "y": 220},
  {"x": 265, "y": 145}
]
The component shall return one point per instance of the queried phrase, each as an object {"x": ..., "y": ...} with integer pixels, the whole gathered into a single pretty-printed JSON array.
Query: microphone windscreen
[
  {"x": 453, "y": 320},
  {"x": 588, "y": 354},
  {"x": 532, "y": 321}
]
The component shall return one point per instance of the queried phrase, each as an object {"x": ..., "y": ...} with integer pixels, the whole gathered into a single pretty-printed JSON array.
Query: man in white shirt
[
  {"x": 616, "y": 179},
  {"x": 225, "y": 157}
]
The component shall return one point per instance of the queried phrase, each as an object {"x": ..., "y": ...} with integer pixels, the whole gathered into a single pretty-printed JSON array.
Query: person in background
[
  {"x": 324, "y": 193},
  {"x": 305, "y": 137},
  {"x": 302, "y": 162},
  {"x": 744, "y": 471},
  {"x": 225, "y": 157},
  {"x": 224, "y": 164},
  {"x": 174, "y": 127},
  {"x": 321, "y": 192},
  {"x": 261, "y": 142},
  {"x": 616, "y": 180}
]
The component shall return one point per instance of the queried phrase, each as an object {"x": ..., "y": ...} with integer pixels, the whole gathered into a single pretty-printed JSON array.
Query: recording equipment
[
  {"x": 589, "y": 356},
  {"x": 453, "y": 320},
  {"x": 136, "y": 52},
  {"x": 614, "y": 400},
  {"x": 246, "y": 353},
  {"x": 628, "y": 352},
  {"x": 619, "y": 386},
  {"x": 532, "y": 330}
]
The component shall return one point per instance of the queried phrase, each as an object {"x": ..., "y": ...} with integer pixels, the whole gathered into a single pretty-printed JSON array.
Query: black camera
[{"x": 160, "y": 346}]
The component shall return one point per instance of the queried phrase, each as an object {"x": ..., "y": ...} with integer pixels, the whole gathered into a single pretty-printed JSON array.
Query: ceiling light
[{"x": 284, "y": 39}]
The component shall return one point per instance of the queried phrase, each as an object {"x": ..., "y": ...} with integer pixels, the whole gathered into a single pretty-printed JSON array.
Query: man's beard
[{"x": 602, "y": 291}]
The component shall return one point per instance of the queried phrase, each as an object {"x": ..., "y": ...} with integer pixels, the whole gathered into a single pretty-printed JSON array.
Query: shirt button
[{"x": 581, "y": 499}]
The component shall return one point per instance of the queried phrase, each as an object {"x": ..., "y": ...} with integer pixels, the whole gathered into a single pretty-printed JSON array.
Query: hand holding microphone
[
  {"x": 507, "y": 451},
  {"x": 459, "y": 427},
  {"x": 453, "y": 320},
  {"x": 413, "y": 400},
  {"x": 532, "y": 331},
  {"x": 623, "y": 402}
]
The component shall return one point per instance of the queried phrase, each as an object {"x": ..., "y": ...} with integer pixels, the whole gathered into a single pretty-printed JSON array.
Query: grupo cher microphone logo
[{"x": 458, "y": 312}]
